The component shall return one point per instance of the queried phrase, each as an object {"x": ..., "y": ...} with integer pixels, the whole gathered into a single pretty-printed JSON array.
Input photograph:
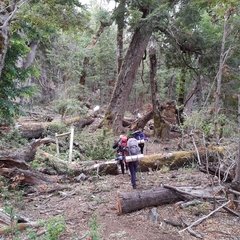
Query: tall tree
[
  {"x": 120, "y": 20},
  {"x": 150, "y": 14}
]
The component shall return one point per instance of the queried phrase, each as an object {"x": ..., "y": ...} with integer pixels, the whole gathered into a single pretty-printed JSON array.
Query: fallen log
[
  {"x": 136, "y": 200},
  {"x": 155, "y": 162},
  {"x": 178, "y": 159},
  {"x": 30, "y": 129},
  {"x": 141, "y": 122},
  {"x": 8, "y": 223},
  {"x": 9, "y": 162},
  {"x": 25, "y": 177},
  {"x": 76, "y": 168},
  {"x": 25, "y": 154}
]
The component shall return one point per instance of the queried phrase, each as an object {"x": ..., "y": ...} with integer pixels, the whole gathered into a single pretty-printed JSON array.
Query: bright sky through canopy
[{"x": 109, "y": 5}]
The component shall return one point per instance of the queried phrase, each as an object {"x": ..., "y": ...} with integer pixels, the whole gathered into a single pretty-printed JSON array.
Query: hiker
[
  {"x": 133, "y": 150},
  {"x": 121, "y": 146},
  {"x": 141, "y": 137}
]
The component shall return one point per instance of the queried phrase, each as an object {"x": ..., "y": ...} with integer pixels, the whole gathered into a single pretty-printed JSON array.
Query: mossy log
[
  {"x": 30, "y": 130},
  {"x": 75, "y": 168},
  {"x": 178, "y": 159},
  {"x": 173, "y": 160}
]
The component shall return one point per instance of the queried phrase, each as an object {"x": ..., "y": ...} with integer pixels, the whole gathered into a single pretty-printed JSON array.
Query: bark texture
[
  {"x": 132, "y": 201},
  {"x": 115, "y": 112}
]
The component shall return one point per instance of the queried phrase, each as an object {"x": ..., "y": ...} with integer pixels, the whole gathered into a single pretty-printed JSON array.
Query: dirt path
[{"x": 96, "y": 199}]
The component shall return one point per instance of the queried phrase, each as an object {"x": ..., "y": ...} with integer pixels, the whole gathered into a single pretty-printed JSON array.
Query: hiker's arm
[{"x": 115, "y": 145}]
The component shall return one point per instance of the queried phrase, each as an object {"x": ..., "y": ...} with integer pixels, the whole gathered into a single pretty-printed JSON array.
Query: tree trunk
[
  {"x": 116, "y": 109},
  {"x": 181, "y": 90},
  {"x": 31, "y": 55},
  {"x": 132, "y": 201},
  {"x": 94, "y": 41},
  {"x": 153, "y": 84},
  {"x": 120, "y": 18},
  {"x": 224, "y": 54},
  {"x": 63, "y": 167},
  {"x": 141, "y": 123},
  {"x": 25, "y": 154},
  {"x": 236, "y": 181},
  {"x": 165, "y": 118},
  {"x": 4, "y": 37}
]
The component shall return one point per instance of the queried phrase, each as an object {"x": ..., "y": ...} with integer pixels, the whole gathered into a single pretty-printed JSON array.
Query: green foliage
[
  {"x": 55, "y": 227},
  {"x": 13, "y": 139},
  {"x": 94, "y": 228},
  {"x": 11, "y": 80},
  {"x": 204, "y": 122},
  {"x": 97, "y": 146},
  {"x": 58, "y": 127},
  {"x": 200, "y": 121},
  {"x": 68, "y": 106},
  {"x": 199, "y": 209}
]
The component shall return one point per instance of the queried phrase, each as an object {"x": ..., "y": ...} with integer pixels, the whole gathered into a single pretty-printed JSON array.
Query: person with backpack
[
  {"x": 141, "y": 138},
  {"x": 133, "y": 150},
  {"x": 121, "y": 146}
]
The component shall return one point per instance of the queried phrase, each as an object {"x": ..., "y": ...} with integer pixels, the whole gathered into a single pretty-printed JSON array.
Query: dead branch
[{"x": 204, "y": 217}]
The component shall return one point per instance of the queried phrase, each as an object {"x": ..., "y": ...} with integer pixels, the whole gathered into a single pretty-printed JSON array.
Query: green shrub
[
  {"x": 57, "y": 127},
  {"x": 12, "y": 139},
  {"x": 94, "y": 228},
  {"x": 69, "y": 106},
  {"x": 55, "y": 227},
  {"x": 97, "y": 146}
]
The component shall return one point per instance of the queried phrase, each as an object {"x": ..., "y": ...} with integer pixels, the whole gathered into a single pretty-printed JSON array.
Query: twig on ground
[{"x": 204, "y": 217}]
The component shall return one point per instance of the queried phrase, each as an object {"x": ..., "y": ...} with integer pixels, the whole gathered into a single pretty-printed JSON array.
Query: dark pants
[
  {"x": 122, "y": 164},
  {"x": 133, "y": 170},
  {"x": 141, "y": 145}
]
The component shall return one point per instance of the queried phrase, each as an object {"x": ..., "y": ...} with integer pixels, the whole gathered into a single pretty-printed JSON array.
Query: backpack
[
  {"x": 123, "y": 141},
  {"x": 133, "y": 148}
]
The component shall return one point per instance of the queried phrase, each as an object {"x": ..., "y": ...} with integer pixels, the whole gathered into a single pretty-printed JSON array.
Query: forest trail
[{"x": 94, "y": 201}]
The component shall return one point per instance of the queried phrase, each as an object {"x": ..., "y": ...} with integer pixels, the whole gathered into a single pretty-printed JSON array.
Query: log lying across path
[
  {"x": 136, "y": 200},
  {"x": 178, "y": 159},
  {"x": 14, "y": 164}
]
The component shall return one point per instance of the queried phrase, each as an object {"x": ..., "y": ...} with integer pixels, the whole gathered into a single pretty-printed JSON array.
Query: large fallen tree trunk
[
  {"x": 11, "y": 167},
  {"x": 136, "y": 200},
  {"x": 25, "y": 177},
  {"x": 132, "y": 201},
  {"x": 75, "y": 168},
  {"x": 25, "y": 154},
  {"x": 178, "y": 159},
  {"x": 155, "y": 162},
  {"x": 141, "y": 122},
  {"x": 30, "y": 129}
]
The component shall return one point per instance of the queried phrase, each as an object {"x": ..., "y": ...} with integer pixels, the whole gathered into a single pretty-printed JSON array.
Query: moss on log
[{"x": 178, "y": 159}]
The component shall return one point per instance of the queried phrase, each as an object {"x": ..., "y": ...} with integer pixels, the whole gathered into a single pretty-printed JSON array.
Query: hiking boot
[{"x": 134, "y": 186}]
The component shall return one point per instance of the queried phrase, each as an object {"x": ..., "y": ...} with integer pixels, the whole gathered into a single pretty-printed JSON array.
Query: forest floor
[{"x": 91, "y": 204}]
